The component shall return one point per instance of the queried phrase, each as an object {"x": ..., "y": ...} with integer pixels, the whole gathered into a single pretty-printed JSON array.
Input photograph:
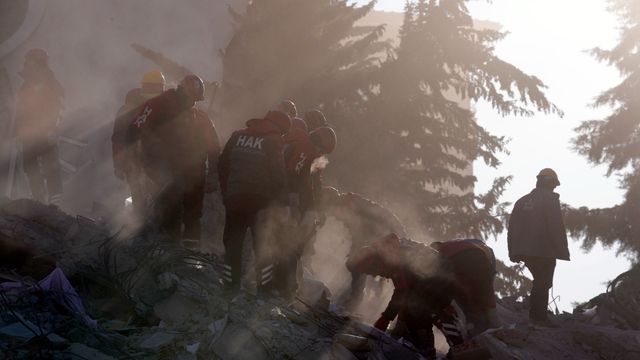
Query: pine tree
[
  {"x": 307, "y": 50},
  {"x": 425, "y": 137},
  {"x": 615, "y": 141}
]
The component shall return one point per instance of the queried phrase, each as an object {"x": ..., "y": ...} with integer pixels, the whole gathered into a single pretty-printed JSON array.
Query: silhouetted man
[
  {"x": 538, "y": 237},
  {"x": 126, "y": 164},
  {"x": 179, "y": 151},
  {"x": 39, "y": 102},
  {"x": 253, "y": 180}
]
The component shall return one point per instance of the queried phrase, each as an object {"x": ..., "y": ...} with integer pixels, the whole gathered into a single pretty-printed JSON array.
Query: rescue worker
[
  {"x": 301, "y": 150},
  {"x": 430, "y": 286},
  {"x": 38, "y": 106},
  {"x": 126, "y": 165},
  {"x": 537, "y": 236},
  {"x": 288, "y": 107},
  {"x": 253, "y": 183},
  {"x": 179, "y": 151},
  {"x": 421, "y": 293},
  {"x": 365, "y": 220},
  {"x": 473, "y": 265}
]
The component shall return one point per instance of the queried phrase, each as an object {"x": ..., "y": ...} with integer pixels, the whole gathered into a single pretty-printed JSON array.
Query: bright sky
[{"x": 547, "y": 38}]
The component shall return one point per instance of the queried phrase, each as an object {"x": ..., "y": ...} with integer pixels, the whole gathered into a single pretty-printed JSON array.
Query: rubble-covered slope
[{"x": 134, "y": 298}]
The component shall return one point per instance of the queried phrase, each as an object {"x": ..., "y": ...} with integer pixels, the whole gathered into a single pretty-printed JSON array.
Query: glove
[{"x": 382, "y": 323}]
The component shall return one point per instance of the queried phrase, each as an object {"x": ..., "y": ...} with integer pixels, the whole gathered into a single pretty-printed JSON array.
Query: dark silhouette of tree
[
  {"x": 615, "y": 141},
  {"x": 422, "y": 135},
  {"x": 306, "y": 50}
]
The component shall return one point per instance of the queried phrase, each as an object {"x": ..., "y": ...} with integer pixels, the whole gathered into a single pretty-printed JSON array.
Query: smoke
[
  {"x": 330, "y": 249},
  {"x": 319, "y": 164},
  {"x": 96, "y": 70}
]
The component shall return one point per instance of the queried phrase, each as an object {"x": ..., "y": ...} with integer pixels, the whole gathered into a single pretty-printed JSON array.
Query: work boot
[
  {"x": 55, "y": 199},
  {"x": 230, "y": 279},
  {"x": 264, "y": 281}
]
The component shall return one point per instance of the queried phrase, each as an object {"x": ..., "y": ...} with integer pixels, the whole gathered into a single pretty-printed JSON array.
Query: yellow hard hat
[
  {"x": 549, "y": 174},
  {"x": 154, "y": 77}
]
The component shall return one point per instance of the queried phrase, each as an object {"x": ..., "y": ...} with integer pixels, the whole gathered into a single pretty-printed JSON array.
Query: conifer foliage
[
  {"x": 615, "y": 140},
  {"x": 443, "y": 64},
  {"x": 306, "y": 50}
]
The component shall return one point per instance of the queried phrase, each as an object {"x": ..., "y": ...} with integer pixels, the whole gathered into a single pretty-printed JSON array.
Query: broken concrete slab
[
  {"x": 84, "y": 352},
  {"x": 237, "y": 342},
  {"x": 157, "y": 341}
]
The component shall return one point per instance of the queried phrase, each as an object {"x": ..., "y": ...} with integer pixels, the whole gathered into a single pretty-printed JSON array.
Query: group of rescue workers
[{"x": 167, "y": 151}]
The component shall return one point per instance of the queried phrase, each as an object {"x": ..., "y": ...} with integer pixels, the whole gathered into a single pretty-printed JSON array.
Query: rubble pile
[
  {"x": 575, "y": 337},
  {"x": 106, "y": 296}
]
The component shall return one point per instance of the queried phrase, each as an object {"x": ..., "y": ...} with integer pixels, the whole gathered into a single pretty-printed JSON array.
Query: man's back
[
  {"x": 252, "y": 162},
  {"x": 536, "y": 227}
]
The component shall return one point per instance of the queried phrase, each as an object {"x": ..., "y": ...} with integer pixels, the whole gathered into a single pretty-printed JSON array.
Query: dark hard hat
[
  {"x": 288, "y": 107},
  {"x": 299, "y": 124},
  {"x": 315, "y": 119},
  {"x": 550, "y": 175},
  {"x": 193, "y": 86},
  {"x": 279, "y": 119},
  {"x": 324, "y": 139}
]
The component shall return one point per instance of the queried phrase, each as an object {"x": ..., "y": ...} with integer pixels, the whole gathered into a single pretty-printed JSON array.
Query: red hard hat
[
  {"x": 325, "y": 139},
  {"x": 279, "y": 119},
  {"x": 193, "y": 86},
  {"x": 37, "y": 55},
  {"x": 315, "y": 119},
  {"x": 299, "y": 124},
  {"x": 288, "y": 107}
]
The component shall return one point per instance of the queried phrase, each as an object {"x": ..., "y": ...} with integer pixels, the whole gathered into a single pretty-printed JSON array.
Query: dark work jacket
[
  {"x": 299, "y": 154},
  {"x": 251, "y": 167},
  {"x": 176, "y": 140},
  {"x": 536, "y": 228}
]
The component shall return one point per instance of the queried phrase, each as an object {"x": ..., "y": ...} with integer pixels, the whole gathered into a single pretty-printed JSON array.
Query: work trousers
[
  {"x": 42, "y": 166},
  {"x": 136, "y": 180},
  {"x": 238, "y": 220},
  {"x": 415, "y": 323},
  {"x": 542, "y": 270},
  {"x": 475, "y": 276},
  {"x": 178, "y": 208}
]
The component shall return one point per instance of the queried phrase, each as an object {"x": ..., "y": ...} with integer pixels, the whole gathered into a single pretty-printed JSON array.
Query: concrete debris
[
  {"x": 154, "y": 301},
  {"x": 84, "y": 352},
  {"x": 157, "y": 341}
]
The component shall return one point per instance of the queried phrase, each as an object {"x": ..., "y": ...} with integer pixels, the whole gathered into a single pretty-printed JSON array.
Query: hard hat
[
  {"x": 315, "y": 119},
  {"x": 299, "y": 124},
  {"x": 153, "y": 77},
  {"x": 288, "y": 107},
  {"x": 193, "y": 86},
  {"x": 279, "y": 119},
  {"x": 324, "y": 139},
  {"x": 38, "y": 56},
  {"x": 548, "y": 174}
]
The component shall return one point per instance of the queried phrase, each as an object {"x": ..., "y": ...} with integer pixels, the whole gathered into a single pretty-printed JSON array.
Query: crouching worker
[
  {"x": 427, "y": 290},
  {"x": 253, "y": 183},
  {"x": 473, "y": 265}
]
